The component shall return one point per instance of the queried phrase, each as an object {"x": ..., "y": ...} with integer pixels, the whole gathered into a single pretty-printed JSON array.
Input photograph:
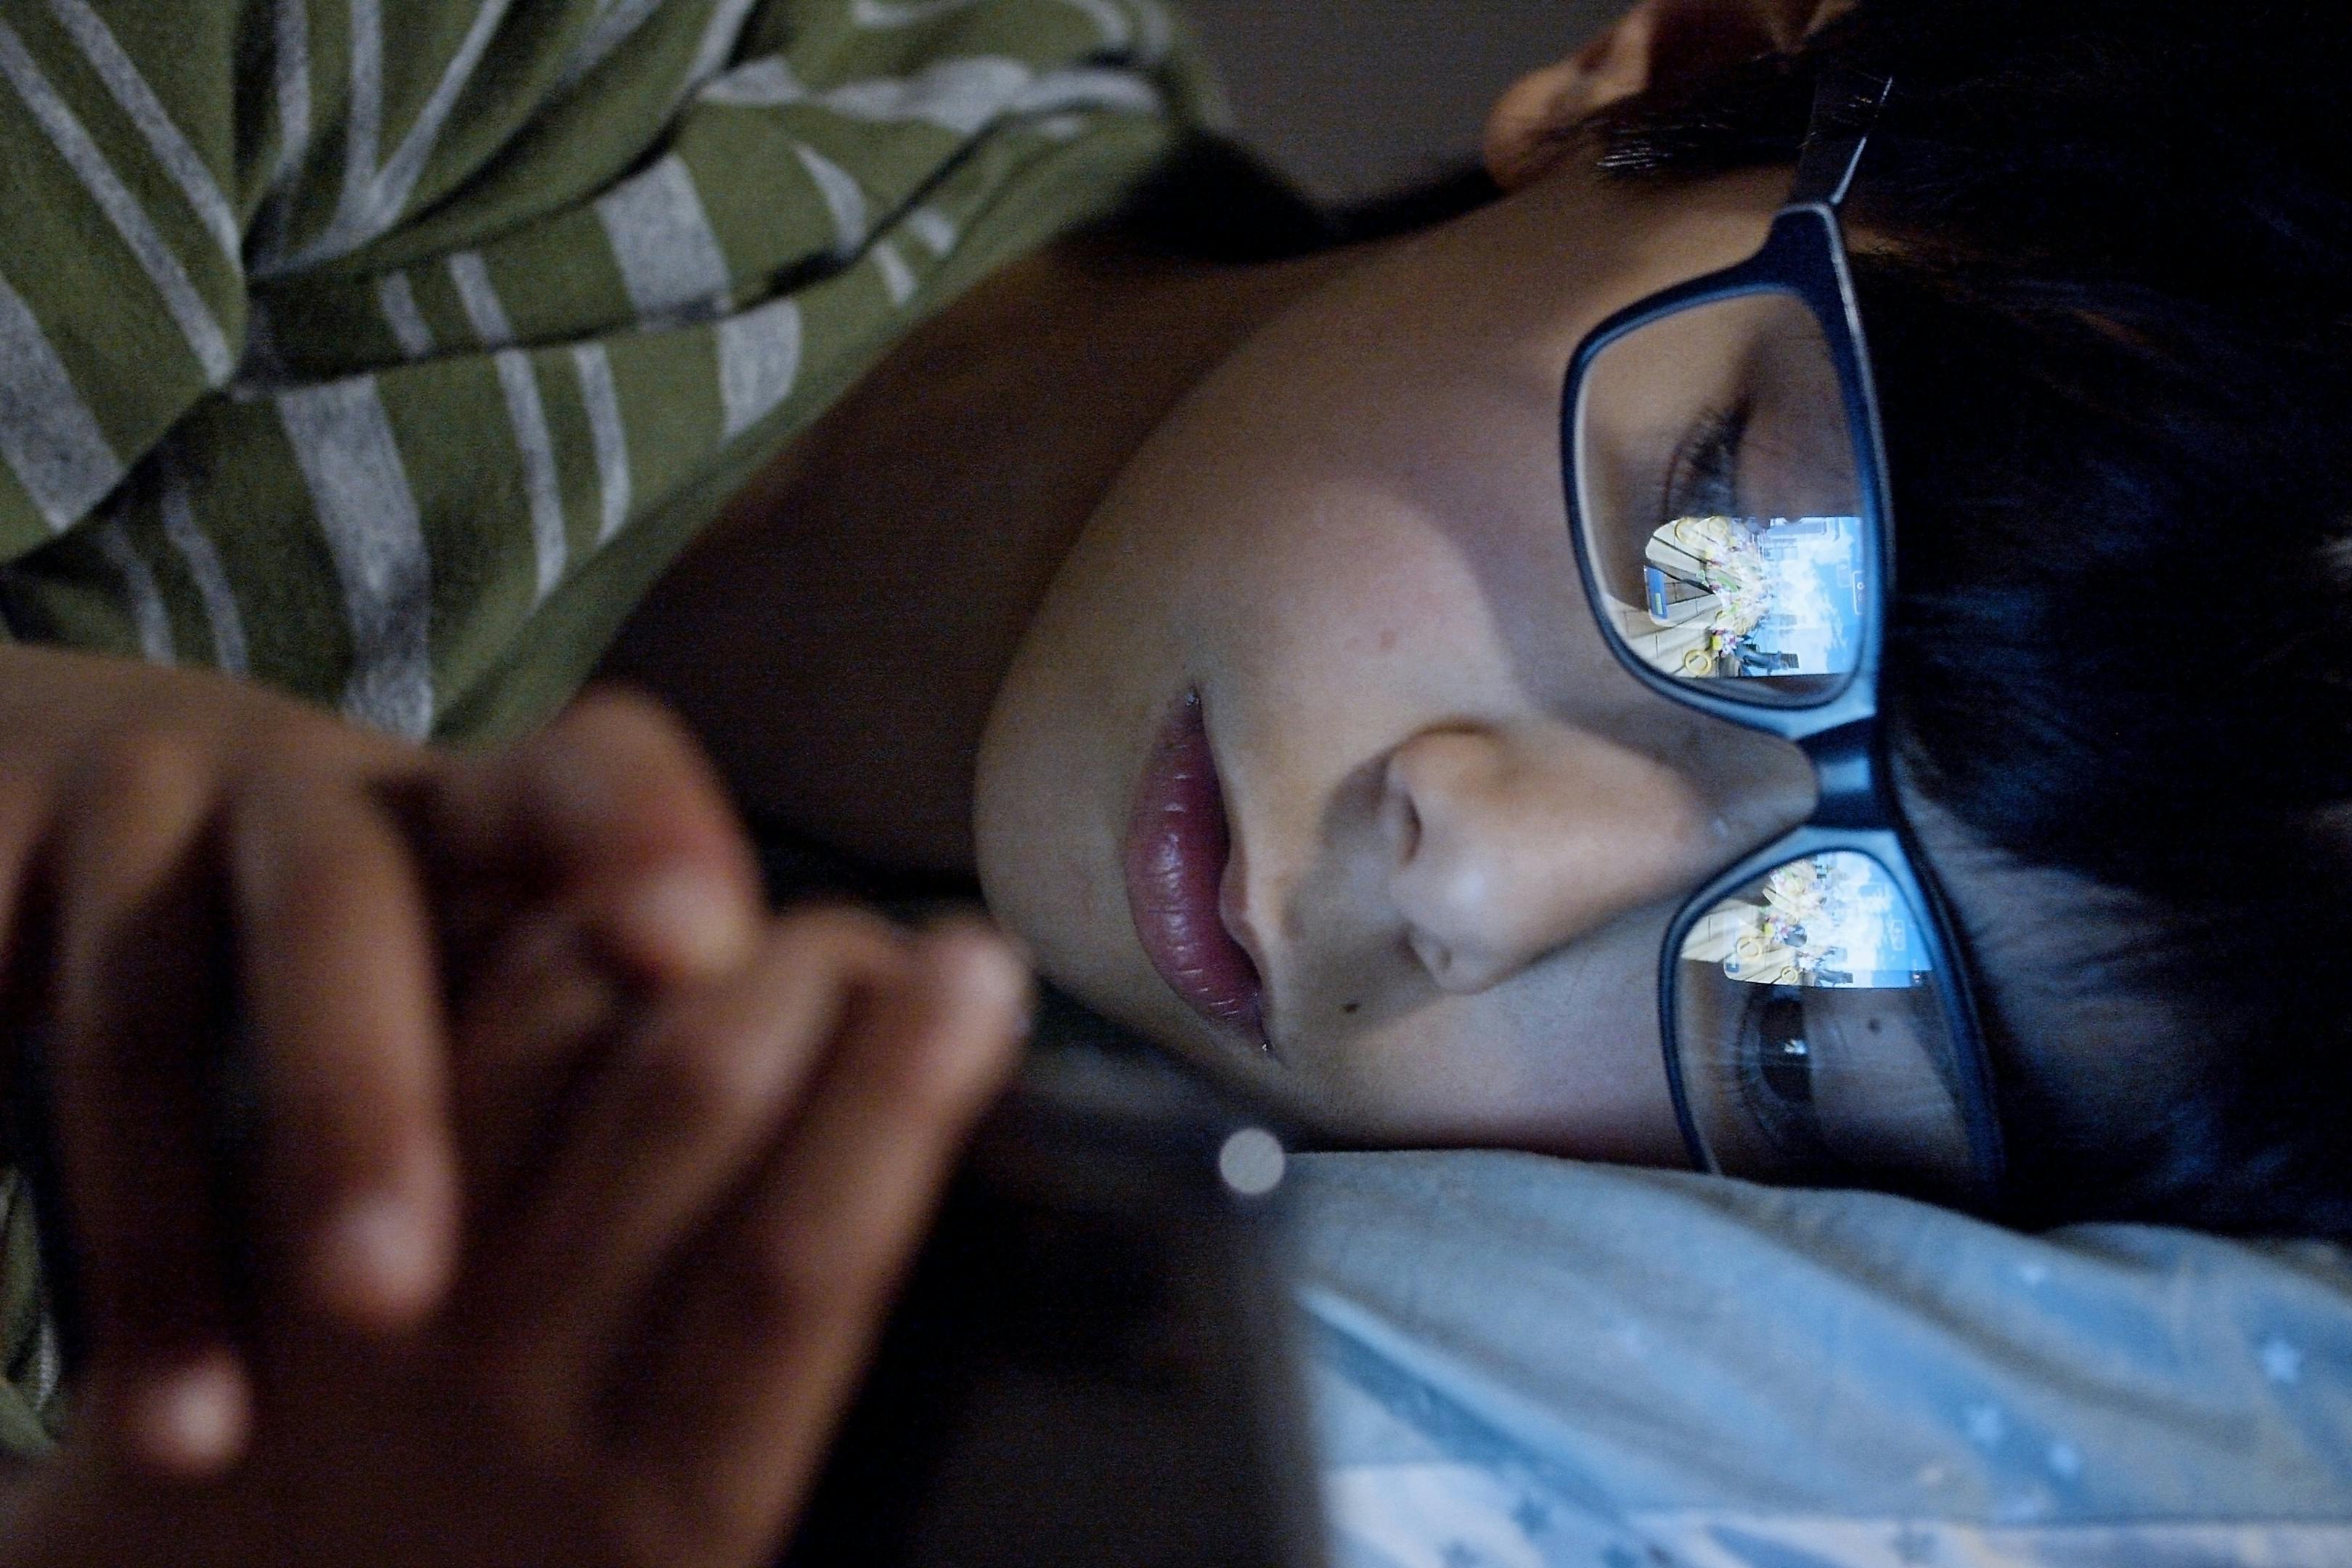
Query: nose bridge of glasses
[{"x": 1849, "y": 782}]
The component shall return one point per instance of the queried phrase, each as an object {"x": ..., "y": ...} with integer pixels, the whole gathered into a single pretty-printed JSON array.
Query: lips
[{"x": 1178, "y": 845}]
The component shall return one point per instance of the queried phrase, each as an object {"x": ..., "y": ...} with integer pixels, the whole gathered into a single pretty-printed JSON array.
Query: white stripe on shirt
[
  {"x": 662, "y": 241},
  {"x": 1116, "y": 31},
  {"x": 898, "y": 278},
  {"x": 471, "y": 276},
  {"x": 375, "y": 196},
  {"x": 526, "y": 411},
  {"x": 48, "y": 436},
  {"x": 397, "y": 299},
  {"x": 543, "y": 480},
  {"x": 759, "y": 363},
  {"x": 399, "y": 178},
  {"x": 962, "y": 96},
  {"x": 935, "y": 229},
  {"x": 343, "y": 439},
  {"x": 81, "y": 153},
  {"x": 608, "y": 32},
  {"x": 874, "y": 14},
  {"x": 152, "y": 621},
  {"x": 203, "y": 560},
  {"x": 602, "y": 394},
  {"x": 720, "y": 40},
  {"x": 1158, "y": 33},
  {"x": 291, "y": 66},
  {"x": 765, "y": 83},
  {"x": 130, "y": 88},
  {"x": 843, "y": 197},
  {"x": 362, "y": 128}
]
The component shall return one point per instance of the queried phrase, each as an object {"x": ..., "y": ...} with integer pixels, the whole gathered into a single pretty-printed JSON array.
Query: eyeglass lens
[
  {"x": 1811, "y": 1034},
  {"x": 1720, "y": 504}
]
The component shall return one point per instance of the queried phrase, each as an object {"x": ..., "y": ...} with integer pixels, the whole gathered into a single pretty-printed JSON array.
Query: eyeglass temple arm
[{"x": 1846, "y": 105}]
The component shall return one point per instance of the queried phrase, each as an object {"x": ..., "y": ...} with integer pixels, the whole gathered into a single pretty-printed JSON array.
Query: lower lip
[{"x": 1177, "y": 848}]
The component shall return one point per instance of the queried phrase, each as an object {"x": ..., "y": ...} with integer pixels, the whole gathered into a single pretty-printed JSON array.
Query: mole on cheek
[{"x": 1389, "y": 640}]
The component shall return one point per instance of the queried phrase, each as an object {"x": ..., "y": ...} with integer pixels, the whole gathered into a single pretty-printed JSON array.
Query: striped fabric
[
  {"x": 32, "y": 1385},
  {"x": 386, "y": 352}
]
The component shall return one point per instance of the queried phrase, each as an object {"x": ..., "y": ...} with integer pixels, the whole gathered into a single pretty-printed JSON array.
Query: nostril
[
  {"x": 1434, "y": 956},
  {"x": 1401, "y": 819},
  {"x": 1453, "y": 969}
]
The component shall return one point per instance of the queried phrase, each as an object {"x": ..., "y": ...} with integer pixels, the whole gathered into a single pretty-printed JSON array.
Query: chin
[{"x": 1045, "y": 862}]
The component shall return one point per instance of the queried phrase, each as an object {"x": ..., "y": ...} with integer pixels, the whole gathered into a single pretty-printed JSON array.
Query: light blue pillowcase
[{"x": 1517, "y": 1361}]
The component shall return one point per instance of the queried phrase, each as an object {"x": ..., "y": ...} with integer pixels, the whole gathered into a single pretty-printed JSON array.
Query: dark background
[{"x": 1359, "y": 97}]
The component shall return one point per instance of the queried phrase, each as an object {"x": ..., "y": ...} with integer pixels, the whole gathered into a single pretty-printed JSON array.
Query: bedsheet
[{"x": 1517, "y": 1361}]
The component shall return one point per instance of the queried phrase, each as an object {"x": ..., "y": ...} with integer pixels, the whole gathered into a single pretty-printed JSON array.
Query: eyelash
[
  {"x": 1702, "y": 480},
  {"x": 1788, "y": 1124}
]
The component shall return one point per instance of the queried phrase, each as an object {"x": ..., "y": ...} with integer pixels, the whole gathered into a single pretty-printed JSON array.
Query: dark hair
[{"x": 2111, "y": 336}]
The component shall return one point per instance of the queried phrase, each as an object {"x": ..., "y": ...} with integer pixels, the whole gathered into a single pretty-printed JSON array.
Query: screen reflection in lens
[
  {"x": 1811, "y": 1034},
  {"x": 1720, "y": 498}
]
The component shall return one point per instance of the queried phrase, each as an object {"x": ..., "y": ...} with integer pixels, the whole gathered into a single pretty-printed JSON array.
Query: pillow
[{"x": 1523, "y": 1360}]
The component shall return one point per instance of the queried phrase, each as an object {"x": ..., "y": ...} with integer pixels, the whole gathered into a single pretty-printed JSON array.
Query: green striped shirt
[{"x": 386, "y": 351}]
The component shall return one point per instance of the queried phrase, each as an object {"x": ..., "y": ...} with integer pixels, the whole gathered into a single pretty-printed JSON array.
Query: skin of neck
[{"x": 838, "y": 636}]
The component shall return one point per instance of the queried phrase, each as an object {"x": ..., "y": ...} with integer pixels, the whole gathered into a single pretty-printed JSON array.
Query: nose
[{"x": 1509, "y": 843}]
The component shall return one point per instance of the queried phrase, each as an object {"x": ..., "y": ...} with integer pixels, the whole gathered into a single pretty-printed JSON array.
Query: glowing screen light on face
[
  {"x": 1832, "y": 921},
  {"x": 1757, "y": 598}
]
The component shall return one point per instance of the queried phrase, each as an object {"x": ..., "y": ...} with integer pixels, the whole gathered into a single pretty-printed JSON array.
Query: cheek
[
  {"x": 1419, "y": 556},
  {"x": 1458, "y": 598},
  {"x": 1563, "y": 1058},
  {"x": 1347, "y": 589}
]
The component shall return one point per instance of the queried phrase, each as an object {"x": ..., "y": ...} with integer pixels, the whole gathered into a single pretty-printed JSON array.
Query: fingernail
[
  {"x": 376, "y": 1260},
  {"x": 692, "y": 920},
  {"x": 192, "y": 1423}
]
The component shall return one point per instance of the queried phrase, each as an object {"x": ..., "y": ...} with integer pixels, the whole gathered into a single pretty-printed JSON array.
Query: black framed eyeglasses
[{"x": 1727, "y": 490}]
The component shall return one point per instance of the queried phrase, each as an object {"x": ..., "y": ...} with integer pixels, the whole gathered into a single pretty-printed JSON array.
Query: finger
[
  {"x": 763, "y": 1329},
  {"x": 533, "y": 1024},
  {"x": 355, "y": 1186},
  {"x": 24, "y": 799},
  {"x": 137, "y": 991},
  {"x": 663, "y": 1134},
  {"x": 614, "y": 809}
]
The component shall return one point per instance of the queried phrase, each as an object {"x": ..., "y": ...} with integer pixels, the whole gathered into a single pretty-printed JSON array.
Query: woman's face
[{"x": 1334, "y": 604}]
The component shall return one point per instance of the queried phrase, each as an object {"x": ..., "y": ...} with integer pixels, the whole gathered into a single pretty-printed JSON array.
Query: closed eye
[{"x": 1703, "y": 478}]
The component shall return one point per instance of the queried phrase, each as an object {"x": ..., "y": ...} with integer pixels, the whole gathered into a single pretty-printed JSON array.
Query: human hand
[
  {"x": 688, "y": 1231},
  {"x": 178, "y": 851}
]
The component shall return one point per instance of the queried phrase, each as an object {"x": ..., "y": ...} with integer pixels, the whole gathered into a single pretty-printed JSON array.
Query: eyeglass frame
[{"x": 1804, "y": 257}]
